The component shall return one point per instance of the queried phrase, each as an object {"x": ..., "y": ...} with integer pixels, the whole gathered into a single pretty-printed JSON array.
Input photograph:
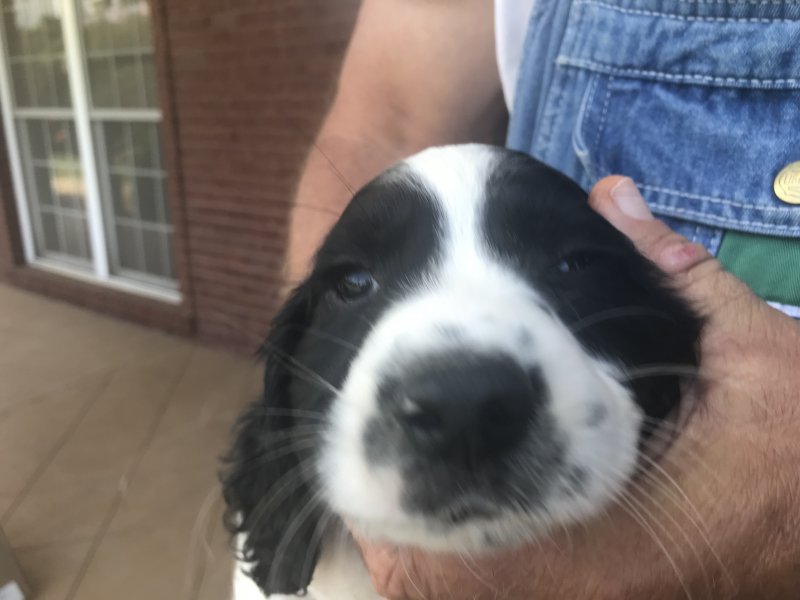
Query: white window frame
[{"x": 79, "y": 89}]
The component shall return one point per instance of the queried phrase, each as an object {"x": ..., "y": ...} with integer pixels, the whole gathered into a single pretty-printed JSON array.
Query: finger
[
  {"x": 382, "y": 560},
  {"x": 695, "y": 271},
  {"x": 619, "y": 201}
]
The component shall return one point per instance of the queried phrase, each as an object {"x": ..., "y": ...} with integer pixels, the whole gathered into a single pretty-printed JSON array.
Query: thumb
[
  {"x": 695, "y": 271},
  {"x": 619, "y": 201}
]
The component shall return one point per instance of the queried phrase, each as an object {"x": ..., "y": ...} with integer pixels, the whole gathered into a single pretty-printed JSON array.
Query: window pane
[
  {"x": 61, "y": 142},
  {"x": 103, "y": 88},
  {"x": 144, "y": 139},
  {"x": 124, "y": 35},
  {"x": 152, "y": 206},
  {"x": 130, "y": 159},
  {"x": 44, "y": 188},
  {"x": 123, "y": 190},
  {"x": 145, "y": 33},
  {"x": 21, "y": 85},
  {"x": 36, "y": 52},
  {"x": 129, "y": 82},
  {"x": 76, "y": 236},
  {"x": 39, "y": 83},
  {"x": 117, "y": 144},
  {"x": 149, "y": 200},
  {"x": 55, "y": 189},
  {"x": 119, "y": 53},
  {"x": 50, "y": 232},
  {"x": 127, "y": 248},
  {"x": 68, "y": 187},
  {"x": 155, "y": 253},
  {"x": 37, "y": 141},
  {"x": 95, "y": 30}
]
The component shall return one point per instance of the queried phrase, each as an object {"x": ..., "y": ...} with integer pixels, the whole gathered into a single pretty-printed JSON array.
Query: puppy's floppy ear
[{"x": 266, "y": 485}]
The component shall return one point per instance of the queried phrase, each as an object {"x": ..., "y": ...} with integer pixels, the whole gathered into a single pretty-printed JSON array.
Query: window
[{"x": 80, "y": 108}]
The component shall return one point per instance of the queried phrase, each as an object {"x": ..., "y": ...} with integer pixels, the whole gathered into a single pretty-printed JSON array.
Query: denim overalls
[{"x": 697, "y": 100}]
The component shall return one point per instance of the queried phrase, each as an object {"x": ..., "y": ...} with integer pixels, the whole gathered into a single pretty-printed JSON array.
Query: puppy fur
[{"x": 475, "y": 358}]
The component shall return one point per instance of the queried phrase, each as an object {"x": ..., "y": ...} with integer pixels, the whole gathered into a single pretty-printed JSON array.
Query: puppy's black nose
[{"x": 466, "y": 409}]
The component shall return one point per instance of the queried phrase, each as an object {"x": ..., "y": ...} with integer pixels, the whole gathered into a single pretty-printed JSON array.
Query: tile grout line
[
  {"x": 204, "y": 567},
  {"x": 37, "y": 396},
  {"x": 127, "y": 477},
  {"x": 57, "y": 447},
  {"x": 62, "y": 542}
]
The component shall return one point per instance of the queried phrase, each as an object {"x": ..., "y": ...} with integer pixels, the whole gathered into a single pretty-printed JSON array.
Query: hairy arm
[{"x": 417, "y": 73}]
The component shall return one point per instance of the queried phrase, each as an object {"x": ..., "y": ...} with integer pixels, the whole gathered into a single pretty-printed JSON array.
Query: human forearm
[
  {"x": 417, "y": 73},
  {"x": 336, "y": 166}
]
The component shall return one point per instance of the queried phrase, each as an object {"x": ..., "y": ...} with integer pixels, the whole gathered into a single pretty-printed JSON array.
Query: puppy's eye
[
  {"x": 355, "y": 285},
  {"x": 575, "y": 262}
]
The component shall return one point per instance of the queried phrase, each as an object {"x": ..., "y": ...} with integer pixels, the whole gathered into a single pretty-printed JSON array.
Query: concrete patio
[{"x": 109, "y": 439}]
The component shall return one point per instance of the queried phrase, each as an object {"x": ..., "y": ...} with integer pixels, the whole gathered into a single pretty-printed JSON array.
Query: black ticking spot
[
  {"x": 524, "y": 339},
  {"x": 597, "y": 414}
]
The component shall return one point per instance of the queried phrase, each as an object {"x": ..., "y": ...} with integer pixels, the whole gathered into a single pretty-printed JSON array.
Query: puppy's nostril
[{"x": 423, "y": 418}]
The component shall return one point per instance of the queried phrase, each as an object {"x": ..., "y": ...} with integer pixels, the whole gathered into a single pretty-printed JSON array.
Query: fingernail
[{"x": 628, "y": 199}]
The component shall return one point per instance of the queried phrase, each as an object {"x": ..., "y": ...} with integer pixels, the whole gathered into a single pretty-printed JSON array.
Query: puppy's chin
[
  {"x": 482, "y": 524},
  {"x": 501, "y": 529},
  {"x": 475, "y": 535},
  {"x": 484, "y": 532}
]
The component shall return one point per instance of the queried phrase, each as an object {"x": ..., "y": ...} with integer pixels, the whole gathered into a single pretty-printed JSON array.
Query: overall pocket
[{"x": 701, "y": 110}]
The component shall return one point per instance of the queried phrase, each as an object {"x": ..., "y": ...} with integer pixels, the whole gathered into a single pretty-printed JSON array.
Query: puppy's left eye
[
  {"x": 355, "y": 284},
  {"x": 575, "y": 262}
]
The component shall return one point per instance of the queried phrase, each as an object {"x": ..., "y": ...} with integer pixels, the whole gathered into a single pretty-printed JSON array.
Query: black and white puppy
[{"x": 462, "y": 370}]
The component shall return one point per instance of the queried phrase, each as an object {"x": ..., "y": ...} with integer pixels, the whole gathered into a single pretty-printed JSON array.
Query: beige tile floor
[{"x": 109, "y": 440}]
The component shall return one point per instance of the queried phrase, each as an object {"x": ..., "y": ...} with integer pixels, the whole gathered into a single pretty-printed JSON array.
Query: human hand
[{"x": 717, "y": 517}]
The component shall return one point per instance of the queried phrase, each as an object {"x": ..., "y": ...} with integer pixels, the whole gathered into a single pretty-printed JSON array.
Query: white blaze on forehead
[{"x": 456, "y": 177}]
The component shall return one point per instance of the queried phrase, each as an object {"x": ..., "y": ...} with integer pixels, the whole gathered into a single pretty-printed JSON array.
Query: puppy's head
[{"x": 455, "y": 372}]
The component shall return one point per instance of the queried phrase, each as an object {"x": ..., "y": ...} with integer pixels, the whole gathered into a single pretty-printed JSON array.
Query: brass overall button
[{"x": 787, "y": 183}]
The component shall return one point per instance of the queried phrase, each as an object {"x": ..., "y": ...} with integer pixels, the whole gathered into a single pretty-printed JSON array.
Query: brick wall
[
  {"x": 250, "y": 81},
  {"x": 245, "y": 84}
]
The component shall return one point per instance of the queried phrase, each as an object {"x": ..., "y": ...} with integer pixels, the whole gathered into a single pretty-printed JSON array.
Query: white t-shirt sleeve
[{"x": 510, "y": 26}]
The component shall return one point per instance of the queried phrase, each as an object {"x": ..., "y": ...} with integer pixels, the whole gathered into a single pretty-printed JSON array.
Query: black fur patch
[{"x": 616, "y": 302}]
